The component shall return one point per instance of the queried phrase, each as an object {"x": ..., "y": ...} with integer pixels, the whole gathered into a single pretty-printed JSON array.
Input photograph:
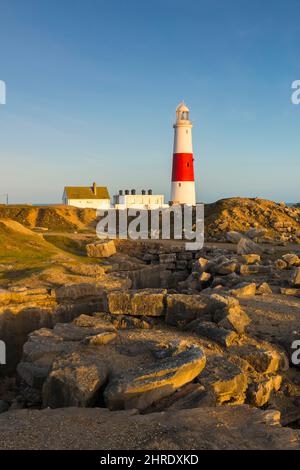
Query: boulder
[
  {"x": 244, "y": 290},
  {"x": 77, "y": 291},
  {"x": 255, "y": 233},
  {"x": 295, "y": 277},
  {"x": 228, "y": 313},
  {"x": 201, "y": 264},
  {"x": 183, "y": 308},
  {"x": 294, "y": 291},
  {"x": 280, "y": 264},
  {"x": 263, "y": 360},
  {"x": 141, "y": 388},
  {"x": 259, "y": 393},
  {"x": 74, "y": 380},
  {"x": 248, "y": 247},
  {"x": 251, "y": 258},
  {"x": 102, "y": 249},
  {"x": 224, "y": 379},
  {"x": 204, "y": 277},
  {"x": 247, "y": 270},
  {"x": 226, "y": 267},
  {"x": 144, "y": 302},
  {"x": 234, "y": 237},
  {"x": 291, "y": 259},
  {"x": 264, "y": 289}
]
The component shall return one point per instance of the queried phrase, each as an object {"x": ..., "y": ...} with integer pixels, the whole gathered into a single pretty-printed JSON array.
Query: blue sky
[{"x": 92, "y": 88}]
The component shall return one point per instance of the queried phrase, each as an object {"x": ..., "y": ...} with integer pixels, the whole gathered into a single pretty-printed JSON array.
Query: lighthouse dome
[
  {"x": 182, "y": 107},
  {"x": 182, "y": 112}
]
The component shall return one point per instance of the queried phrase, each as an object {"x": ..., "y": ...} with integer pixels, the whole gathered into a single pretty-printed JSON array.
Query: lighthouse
[{"x": 183, "y": 180}]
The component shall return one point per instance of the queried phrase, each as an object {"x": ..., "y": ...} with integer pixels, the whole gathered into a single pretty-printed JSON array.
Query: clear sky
[{"x": 92, "y": 87}]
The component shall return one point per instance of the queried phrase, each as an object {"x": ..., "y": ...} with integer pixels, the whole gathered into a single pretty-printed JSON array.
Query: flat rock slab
[
  {"x": 140, "y": 388},
  {"x": 223, "y": 427}
]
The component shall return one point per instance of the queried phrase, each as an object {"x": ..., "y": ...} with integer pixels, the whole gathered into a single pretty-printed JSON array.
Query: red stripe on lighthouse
[{"x": 183, "y": 167}]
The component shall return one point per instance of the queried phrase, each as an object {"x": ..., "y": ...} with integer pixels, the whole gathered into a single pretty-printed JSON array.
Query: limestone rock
[
  {"x": 144, "y": 302},
  {"x": 259, "y": 392},
  {"x": 234, "y": 237},
  {"x": 247, "y": 270},
  {"x": 213, "y": 332},
  {"x": 295, "y": 277},
  {"x": 74, "y": 380},
  {"x": 227, "y": 267},
  {"x": 102, "y": 249},
  {"x": 291, "y": 259},
  {"x": 244, "y": 290},
  {"x": 228, "y": 313},
  {"x": 251, "y": 258},
  {"x": 201, "y": 264},
  {"x": 77, "y": 291},
  {"x": 264, "y": 289},
  {"x": 140, "y": 388},
  {"x": 294, "y": 291},
  {"x": 183, "y": 308},
  {"x": 227, "y": 381},
  {"x": 255, "y": 233},
  {"x": 248, "y": 247},
  {"x": 280, "y": 264},
  {"x": 265, "y": 361},
  {"x": 204, "y": 277}
]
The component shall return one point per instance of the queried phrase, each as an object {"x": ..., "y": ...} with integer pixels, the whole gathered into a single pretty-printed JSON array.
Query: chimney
[
  {"x": 94, "y": 188},
  {"x": 120, "y": 192},
  {"x": 133, "y": 192},
  {"x": 126, "y": 192},
  {"x": 150, "y": 192},
  {"x": 143, "y": 192}
]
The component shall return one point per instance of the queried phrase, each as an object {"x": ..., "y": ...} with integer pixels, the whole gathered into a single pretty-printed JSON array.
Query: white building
[
  {"x": 145, "y": 200},
  {"x": 93, "y": 197}
]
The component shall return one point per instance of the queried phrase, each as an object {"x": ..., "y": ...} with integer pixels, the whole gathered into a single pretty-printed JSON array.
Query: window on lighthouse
[{"x": 185, "y": 116}]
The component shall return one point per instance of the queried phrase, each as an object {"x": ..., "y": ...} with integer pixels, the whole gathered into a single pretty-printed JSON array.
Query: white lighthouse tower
[{"x": 183, "y": 180}]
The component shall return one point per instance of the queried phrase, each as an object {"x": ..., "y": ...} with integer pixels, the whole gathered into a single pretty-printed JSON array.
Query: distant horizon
[{"x": 198, "y": 202}]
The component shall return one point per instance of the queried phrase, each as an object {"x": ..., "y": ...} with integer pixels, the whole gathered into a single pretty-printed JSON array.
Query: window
[
  {"x": 179, "y": 184},
  {"x": 188, "y": 164}
]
